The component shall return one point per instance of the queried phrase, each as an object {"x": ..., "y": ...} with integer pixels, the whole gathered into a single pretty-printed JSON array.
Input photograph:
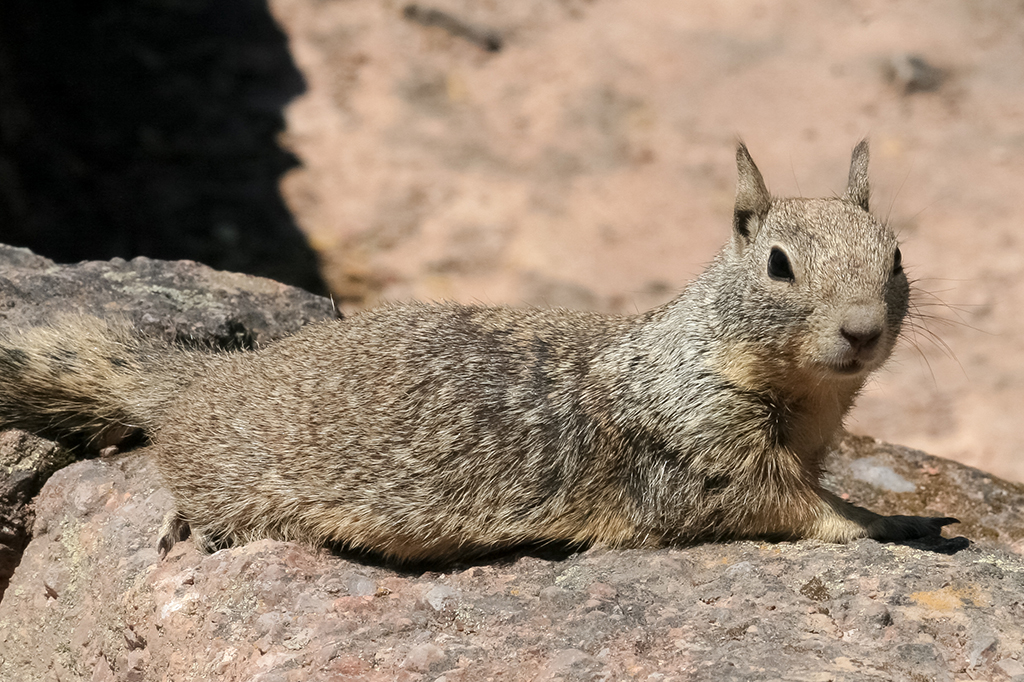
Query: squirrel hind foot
[{"x": 174, "y": 529}]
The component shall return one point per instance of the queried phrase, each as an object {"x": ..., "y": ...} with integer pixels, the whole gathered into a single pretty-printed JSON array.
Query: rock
[
  {"x": 1010, "y": 667},
  {"x": 174, "y": 299},
  {"x": 92, "y": 594},
  {"x": 441, "y": 598},
  {"x": 573, "y": 662},
  {"x": 177, "y": 300},
  {"x": 423, "y": 657},
  {"x": 913, "y": 73},
  {"x": 990, "y": 509},
  {"x": 25, "y": 463}
]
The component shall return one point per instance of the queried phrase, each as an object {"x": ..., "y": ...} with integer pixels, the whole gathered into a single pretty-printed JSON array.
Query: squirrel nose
[
  {"x": 863, "y": 327},
  {"x": 861, "y": 340}
]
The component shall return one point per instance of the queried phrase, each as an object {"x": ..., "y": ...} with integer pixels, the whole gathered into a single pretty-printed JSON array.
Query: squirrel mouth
[{"x": 848, "y": 368}]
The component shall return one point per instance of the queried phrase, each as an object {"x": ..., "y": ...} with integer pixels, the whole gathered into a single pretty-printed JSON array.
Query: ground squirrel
[{"x": 433, "y": 432}]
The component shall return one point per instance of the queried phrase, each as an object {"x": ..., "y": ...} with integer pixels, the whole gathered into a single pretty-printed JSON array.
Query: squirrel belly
[{"x": 434, "y": 432}]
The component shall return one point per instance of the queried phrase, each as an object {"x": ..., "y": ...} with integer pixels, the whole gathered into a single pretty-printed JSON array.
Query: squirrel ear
[
  {"x": 752, "y": 198},
  {"x": 857, "y": 190}
]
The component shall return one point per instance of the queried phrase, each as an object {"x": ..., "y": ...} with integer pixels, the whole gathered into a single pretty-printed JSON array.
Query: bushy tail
[{"x": 86, "y": 379}]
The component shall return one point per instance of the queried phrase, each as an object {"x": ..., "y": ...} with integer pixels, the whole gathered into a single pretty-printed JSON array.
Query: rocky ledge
[
  {"x": 90, "y": 599},
  {"x": 177, "y": 300}
]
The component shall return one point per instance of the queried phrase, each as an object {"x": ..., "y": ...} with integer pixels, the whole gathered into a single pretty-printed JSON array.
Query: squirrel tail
[{"x": 88, "y": 380}]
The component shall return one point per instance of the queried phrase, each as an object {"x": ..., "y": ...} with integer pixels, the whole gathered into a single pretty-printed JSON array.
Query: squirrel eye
[
  {"x": 778, "y": 265},
  {"x": 897, "y": 262}
]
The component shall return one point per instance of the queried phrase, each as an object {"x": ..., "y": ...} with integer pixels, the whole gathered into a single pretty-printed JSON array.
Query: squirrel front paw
[{"x": 899, "y": 528}]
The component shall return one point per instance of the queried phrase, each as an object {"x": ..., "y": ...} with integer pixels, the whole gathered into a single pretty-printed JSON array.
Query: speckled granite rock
[
  {"x": 26, "y": 461},
  {"x": 91, "y": 600},
  {"x": 891, "y": 479},
  {"x": 175, "y": 299},
  {"x": 179, "y": 299}
]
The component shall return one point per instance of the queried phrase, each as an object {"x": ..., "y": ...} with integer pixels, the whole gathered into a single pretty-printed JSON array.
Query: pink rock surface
[{"x": 92, "y": 601}]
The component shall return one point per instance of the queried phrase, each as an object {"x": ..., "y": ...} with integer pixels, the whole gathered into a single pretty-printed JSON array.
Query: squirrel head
[{"x": 819, "y": 283}]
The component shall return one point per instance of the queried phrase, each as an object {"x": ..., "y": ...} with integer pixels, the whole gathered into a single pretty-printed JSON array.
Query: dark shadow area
[
  {"x": 561, "y": 551},
  {"x": 505, "y": 556},
  {"x": 148, "y": 127},
  {"x": 938, "y": 545}
]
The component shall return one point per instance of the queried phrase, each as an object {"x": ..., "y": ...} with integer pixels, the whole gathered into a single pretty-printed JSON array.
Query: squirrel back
[{"x": 435, "y": 431}]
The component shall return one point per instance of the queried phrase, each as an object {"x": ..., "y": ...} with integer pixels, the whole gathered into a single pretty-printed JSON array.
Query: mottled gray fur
[{"x": 438, "y": 431}]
